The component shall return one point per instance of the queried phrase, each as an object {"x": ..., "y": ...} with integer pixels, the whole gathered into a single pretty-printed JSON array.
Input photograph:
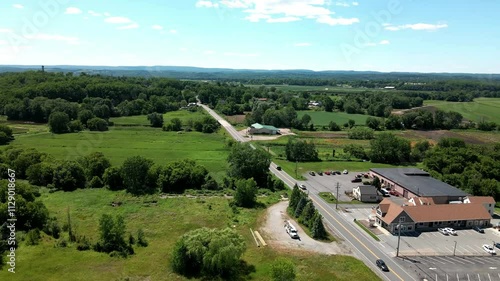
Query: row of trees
[
  {"x": 303, "y": 151},
  {"x": 206, "y": 124},
  {"x": 301, "y": 207},
  {"x": 5, "y": 134}
]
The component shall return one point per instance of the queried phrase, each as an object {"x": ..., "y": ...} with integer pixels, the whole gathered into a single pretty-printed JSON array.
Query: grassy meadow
[
  {"x": 163, "y": 221},
  {"x": 121, "y": 142},
  {"x": 323, "y": 118},
  {"x": 486, "y": 109}
]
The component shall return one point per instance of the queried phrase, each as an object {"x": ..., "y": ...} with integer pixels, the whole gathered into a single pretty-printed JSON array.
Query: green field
[
  {"x": 163, "y": 221},
  {"x": 323, "y": 118},
  {"x": 326, "y": 89},
  {"x": 142, "y": 120},
  {"x": 480, "y": 109}
]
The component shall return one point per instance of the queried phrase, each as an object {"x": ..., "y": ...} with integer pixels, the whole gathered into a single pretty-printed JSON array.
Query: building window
[{"x": 401, "y": 219}]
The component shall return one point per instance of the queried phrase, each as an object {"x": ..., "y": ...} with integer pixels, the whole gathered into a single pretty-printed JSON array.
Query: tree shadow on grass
[{"x": 239, "y": 273}]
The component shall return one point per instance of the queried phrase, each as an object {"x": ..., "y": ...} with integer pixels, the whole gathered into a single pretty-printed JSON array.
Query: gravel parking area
[
  {"x": 327, "y": 183},
  {"x": 274, "y": 234}
]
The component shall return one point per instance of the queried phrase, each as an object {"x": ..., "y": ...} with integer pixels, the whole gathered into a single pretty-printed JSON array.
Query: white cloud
[
  {"x": 355, "y": 3},
  {"x": 209, "y": 52},
  {"x": 230, "y": 54},
  {"x": 3, "y": 42},
  {"x": 206, "y": 4},
  {"x": 284, "y": 19},
  {"x": 274, "y": 11},
  {"x": 384, "y": 42},
  {"x": 54, "y": 37},
  {"x": 72, "y": 11},
  {"x": 5, "y": 30},
  {"x": 129, "y": 26},
  {"x": 119, "y": 20},
  {"x": 95, "y": 14},
  {"x": 173, "y": 31},
  {"x": 416, "y": 26},
  {"x": 18, "y": 6},
  {"x": 157, "y": 27},
  {"x": 337, "y": 21},
  {"x": 304, "y": 44}
]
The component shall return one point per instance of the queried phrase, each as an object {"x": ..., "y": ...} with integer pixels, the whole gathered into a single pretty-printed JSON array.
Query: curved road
[{"x": 365, "y": 247}]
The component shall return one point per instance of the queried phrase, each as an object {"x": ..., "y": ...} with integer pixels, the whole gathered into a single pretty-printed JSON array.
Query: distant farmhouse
[
  {"x": 257, "y": 128},
  {"x": 428, "y": 203}
]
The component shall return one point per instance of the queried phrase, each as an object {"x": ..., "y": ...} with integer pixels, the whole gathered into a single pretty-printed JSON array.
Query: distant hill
[{"x": 199, "y": 73}]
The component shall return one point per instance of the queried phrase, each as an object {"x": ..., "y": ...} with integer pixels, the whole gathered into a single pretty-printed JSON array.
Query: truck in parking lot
[{"x": 291, "y": 230}]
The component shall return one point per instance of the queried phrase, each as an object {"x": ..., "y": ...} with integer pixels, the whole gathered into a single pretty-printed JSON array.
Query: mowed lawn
[
  {"x": 163, "y": 222},
  {"x": 486, "y": 109},
  {"x": 323, "y": 118},
  {"x": 119, "y": 143}
]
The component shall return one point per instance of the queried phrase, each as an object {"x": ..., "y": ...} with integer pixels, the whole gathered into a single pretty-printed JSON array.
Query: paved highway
[{"x": 366, "y": 248}]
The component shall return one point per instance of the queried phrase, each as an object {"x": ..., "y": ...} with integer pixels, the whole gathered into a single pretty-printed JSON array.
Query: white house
[{"x": 366, "y": 193}]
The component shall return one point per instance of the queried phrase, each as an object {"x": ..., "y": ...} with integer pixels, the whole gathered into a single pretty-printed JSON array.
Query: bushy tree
[
  {"x": 294, "y": 197},
  {"x": 175, "y": 124},
  {"x": 208, "y": 252},
  {"x": 112, "y": 236},
  {"x": 246, "y": 193},
  {"x": 97, "y": 124},
  {"x": 300, "y": 206},
  {"x": 134, "y": 172},
  {"x": 301, "y": 151},
  {"x": 5, "y": 134},
  {"x": 41, "y": 174},
  {"x": 332, "y": 126},
  {"x": 387, "y": 148},
  {"x": 245, "y": 162},
  {"x": 308, "y": 214},
  {"x": 68, "y": 176},
  {"x": 75, "y": 126},
  {"x": 112, "y": 178},
  {"x": 318, "y": 229},
  {"x": 361, "y": 133},
  {"x": 178, "y": 176},
  {"x": 84, "y": 116},
  {"x": 58, "y": 122},
  {"x": 283, "y": 270},
  {"x": 355, "y": 150},
  {"x": 94, "y": 165},
  {"x": 156, "y": 119},
  {"x": 373, "y": 123},
  {"x": 141, "y": 238}
]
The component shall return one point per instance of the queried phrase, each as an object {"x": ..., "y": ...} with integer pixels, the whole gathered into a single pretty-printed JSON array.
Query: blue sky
[{"x": 389, "y": 35}]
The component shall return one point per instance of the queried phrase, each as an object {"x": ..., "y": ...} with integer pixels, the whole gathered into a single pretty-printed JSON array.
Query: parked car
[
  {"x": 320, "y": 173},
  {"x": 451, "y": 231},
  {"x": 384, "y": 192},
  {"x": 303, "y": 187},
  {"x": 345, "y": 172},
  {"x": 356, "y": 180},
  {"x": 497, "y": 245},
  {"x": 478, "y": 229},
  {"x": 327, "y": 173},
  {"x": 381, "y": 264},
  {"x": 338, "y": 172},
  {"x": 278, "y": 168},
  {"x": 443, "y": 231},
  {"x": 365, "y": 176},
  {"x": 312, "y": 173},
  {"x": 393, "y": 192},
  {"x": 489, "y": 249},
  {"x": 290, "y": 229}
]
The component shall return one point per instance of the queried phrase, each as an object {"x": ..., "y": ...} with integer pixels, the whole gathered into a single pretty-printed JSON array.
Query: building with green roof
[{"x": 257, "y": 128}]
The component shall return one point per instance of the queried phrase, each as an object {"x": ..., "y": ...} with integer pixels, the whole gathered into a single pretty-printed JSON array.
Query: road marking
[
  {"x": 493, "y": 267},
  {"x": 458, "y": 277},
  {"x": 489, "y": 276},
  {"x": 435, "y": 259},
  {"x": 361, "y": 243},
  {"x": 468, "y": 277},
  {"x": 479, "y": 277}
]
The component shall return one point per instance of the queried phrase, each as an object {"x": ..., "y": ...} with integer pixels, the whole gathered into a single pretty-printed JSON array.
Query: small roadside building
[
  {"x": 257, "y": 128},
  {"x": 366, "y": 193}
]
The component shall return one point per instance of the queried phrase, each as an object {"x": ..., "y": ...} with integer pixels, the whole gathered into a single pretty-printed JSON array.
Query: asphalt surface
[{"x": 365, "y": 247}]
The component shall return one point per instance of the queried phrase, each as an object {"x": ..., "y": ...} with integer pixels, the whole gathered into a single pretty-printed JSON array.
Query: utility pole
[
  {"x": 454, "y": 248},
  {"x": 337, "y": 198},
  {"x": 399, "y": 238}
]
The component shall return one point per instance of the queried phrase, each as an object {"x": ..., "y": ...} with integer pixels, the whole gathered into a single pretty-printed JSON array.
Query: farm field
[
  {"x": 328, "y": 89},
  {"x": 163, "y": 222},
  {"x": 142, "y": 120},
  {"x": 480, "y": 109},
  {"x": 323, "y": 118}
]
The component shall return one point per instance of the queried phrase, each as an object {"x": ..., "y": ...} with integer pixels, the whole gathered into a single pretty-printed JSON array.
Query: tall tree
[
  {"x": 134, "y": 173},
  {"x": 58, "y": 122},
  {"x": 245, "y": 162},
  {"x": 246, "y": 193}
]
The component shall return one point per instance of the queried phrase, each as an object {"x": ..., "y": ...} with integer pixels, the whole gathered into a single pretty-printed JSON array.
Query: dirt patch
[
  {"x": 425, "y": 107},
  {"x": 236, "y": 119},
  {"x": 283, "y": 132},
  {"x": 276, "y": 237}
]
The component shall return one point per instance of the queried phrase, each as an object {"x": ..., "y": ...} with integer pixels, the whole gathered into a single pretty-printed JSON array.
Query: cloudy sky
[{"x": 385, "y": 35}]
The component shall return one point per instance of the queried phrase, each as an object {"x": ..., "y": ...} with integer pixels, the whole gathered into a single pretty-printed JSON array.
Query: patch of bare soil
[
  {"x": 236, "y": 119},
  {"x": 273, "y": 232},
  {"x": 283, "y": 132},
  {"x": 425, "y": 107},
  {"x": 437, "y": 135}
]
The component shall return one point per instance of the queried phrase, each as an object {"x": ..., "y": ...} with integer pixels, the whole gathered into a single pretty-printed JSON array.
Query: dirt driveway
[{"x": 274, "y": 234}]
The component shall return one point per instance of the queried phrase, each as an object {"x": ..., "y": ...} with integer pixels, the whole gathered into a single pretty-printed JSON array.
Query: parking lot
[{"x": 327, "y": 183}]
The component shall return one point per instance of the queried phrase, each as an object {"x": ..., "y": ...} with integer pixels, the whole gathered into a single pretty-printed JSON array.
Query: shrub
[{"x": 97, "y": 124}]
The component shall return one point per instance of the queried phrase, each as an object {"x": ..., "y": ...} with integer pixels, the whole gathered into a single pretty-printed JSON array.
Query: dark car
[
  {"x": 338, "y": 173},
  {"x": 381, "y": 264},
  {"x": 312, "y": 173},
  {"x": 357, "y": 180},
  {"x": 497, "y": 245},
  {"x": 478, "y": 229},
  {"x": 327, "y": 173},
  {"x": 278, "y": 168},
  {"x": 320, "y": 173}
]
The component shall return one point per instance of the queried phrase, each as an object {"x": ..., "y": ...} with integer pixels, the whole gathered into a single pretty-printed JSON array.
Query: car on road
[
  {"x": 443, "y": 231},
  {"x": 356, "y": 180},
  {"x": 312, "y": 173},
  {"x": 345, "y": 172},
  {"x": 303, "y": 187},
  {"x": 478, "y": 229},
  {"x": 278, "y": 168},
  {"x": 381, "y": 264},
  {"x": 451, "y": 231},
  {"x": 489, "y": 249}
]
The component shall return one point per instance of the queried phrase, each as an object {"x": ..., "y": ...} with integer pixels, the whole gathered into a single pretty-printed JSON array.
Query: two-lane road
[{"x": 366, "y": 248}]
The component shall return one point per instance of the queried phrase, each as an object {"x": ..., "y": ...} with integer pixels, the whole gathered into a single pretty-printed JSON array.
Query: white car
[
  {"x": 451, "y": 231},
  {"x": 489, "y": 249},
  {"x": 443, "y": 231},
  {"x": 345, "y": 172},
  {"x": 303, "y": 187}
]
